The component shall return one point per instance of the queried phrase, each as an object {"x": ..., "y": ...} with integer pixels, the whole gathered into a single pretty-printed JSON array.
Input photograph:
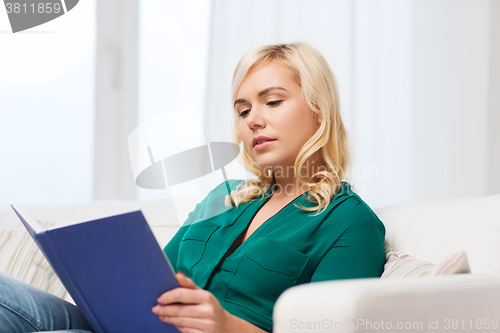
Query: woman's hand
[{"x": 199, "y": 312}]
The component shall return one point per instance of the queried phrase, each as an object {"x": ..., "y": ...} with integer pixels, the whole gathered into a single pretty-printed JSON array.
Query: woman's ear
[{"x": 319, "y": 118}]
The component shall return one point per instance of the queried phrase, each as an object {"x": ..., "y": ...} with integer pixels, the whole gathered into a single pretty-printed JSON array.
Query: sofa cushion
[
  {"x": 21, "y": 258},
  {"x": 400, "y": 265},
  {"x": 435, "y": 230}
]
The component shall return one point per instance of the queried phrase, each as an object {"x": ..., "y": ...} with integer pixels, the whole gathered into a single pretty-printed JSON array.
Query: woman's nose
[{"x": 255, "y": 118}]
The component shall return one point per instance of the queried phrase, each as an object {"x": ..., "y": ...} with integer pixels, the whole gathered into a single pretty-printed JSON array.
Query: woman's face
[{"x": 271, "y": 104}]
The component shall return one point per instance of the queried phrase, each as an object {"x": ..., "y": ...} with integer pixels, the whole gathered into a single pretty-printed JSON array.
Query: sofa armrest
[{"x": 458, "y": 303}]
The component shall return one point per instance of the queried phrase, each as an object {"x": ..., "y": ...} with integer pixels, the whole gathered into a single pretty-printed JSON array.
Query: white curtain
[{"x": 418, "y": 83}]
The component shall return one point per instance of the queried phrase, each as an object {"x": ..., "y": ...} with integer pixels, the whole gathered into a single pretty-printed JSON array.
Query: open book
[{"x": 112, "y": 267}]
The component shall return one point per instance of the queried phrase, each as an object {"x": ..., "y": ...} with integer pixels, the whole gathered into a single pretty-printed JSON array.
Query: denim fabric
[{"x": 24, "y": 308}]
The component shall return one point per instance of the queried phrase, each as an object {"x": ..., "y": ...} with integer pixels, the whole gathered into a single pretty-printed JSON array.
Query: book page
[{"x": 34, "y": 224}]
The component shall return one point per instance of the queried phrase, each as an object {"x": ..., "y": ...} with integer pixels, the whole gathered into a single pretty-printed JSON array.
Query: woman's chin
[{"x": 275, "y": 167}]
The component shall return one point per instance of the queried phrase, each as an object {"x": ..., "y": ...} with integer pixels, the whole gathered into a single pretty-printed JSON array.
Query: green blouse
[{"x": 290, "y": 248}]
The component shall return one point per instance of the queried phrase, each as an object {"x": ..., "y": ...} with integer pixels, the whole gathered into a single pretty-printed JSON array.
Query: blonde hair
[{"x": 320, "y": 90}]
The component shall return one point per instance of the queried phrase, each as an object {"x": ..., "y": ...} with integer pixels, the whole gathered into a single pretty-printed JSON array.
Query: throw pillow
[
  {"x": 400, "y": 265},
  {"x": 21, "y": 258}
]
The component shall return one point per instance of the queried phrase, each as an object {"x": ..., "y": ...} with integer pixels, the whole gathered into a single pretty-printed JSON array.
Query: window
[{"x": 47, "y": 110}]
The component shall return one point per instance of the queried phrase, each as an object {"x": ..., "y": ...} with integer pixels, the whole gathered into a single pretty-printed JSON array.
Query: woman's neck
[{"x": 288, "y": 185}]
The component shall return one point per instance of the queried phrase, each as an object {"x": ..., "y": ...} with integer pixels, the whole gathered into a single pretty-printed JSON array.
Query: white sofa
[{"x": 429, "y": 231}]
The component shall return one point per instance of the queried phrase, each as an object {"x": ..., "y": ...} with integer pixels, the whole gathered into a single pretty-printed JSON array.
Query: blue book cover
[{"x": 112, "y": 267}]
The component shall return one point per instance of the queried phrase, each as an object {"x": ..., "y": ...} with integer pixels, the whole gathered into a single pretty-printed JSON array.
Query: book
[{"x": 112, "y": 267}]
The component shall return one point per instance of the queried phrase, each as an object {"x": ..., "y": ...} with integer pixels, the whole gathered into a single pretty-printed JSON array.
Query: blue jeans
[{"x": 24, "y": 308}]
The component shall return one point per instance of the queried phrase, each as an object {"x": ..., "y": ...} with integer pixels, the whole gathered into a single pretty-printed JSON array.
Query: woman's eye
[
  {"x": 244, "y": 113},
  {"x": 274, "y": 103}
]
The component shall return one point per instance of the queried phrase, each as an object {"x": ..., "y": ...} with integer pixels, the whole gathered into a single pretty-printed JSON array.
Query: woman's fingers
[
  {"x": 194, "y": 324},
  {"x": 185, "y": 282},
  {"x": 190, "y": 308},
  {"x": 176, "y": 310},
  {"x": 183, "y": 295}
]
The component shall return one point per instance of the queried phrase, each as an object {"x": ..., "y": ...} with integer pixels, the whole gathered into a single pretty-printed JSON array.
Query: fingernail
[{"x": 155, "y": 309}]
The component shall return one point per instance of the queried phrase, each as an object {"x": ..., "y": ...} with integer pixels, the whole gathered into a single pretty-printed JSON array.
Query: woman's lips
[{"x": 263, "y": 145}]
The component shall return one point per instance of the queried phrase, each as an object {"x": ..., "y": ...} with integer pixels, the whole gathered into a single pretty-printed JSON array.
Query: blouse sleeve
[
  {"x": 358, "y": 253},
  {"x": 172, "y": 248},
  {"x": 214, "y": 201}
]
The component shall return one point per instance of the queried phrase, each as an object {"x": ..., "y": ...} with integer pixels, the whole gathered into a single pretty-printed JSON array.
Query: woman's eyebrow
[
  {"x": 260, "y": 94},
  {"x": 265, "y": 91},
  {"x": 239, "y": 100}
]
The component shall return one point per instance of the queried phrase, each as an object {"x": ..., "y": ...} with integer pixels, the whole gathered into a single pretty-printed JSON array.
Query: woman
[
  {"x": 298, "y": 222},
  {"x": 287, "y": 227}
]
